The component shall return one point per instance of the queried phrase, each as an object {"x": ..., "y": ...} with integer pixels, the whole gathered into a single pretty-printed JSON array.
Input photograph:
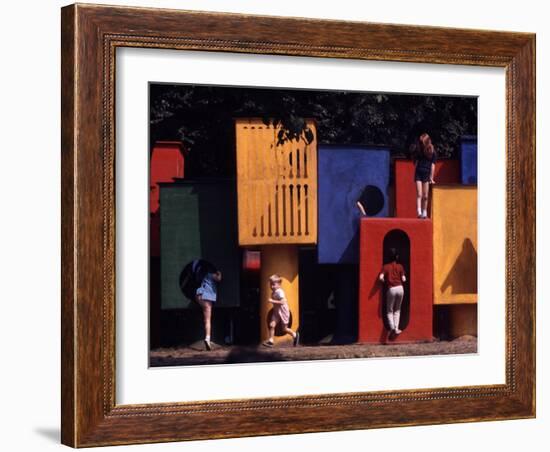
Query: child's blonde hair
[{"x": 275, "y": 278}]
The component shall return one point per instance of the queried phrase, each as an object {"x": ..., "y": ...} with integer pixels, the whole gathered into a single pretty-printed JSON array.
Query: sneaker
[
  {"x": 397, "y": 331},
  {"x": 267, "y": 344},
  {"x": 208, "y": 345},
  {"x": 296, "y": 340},
  {"x": 419, "y": 216}
]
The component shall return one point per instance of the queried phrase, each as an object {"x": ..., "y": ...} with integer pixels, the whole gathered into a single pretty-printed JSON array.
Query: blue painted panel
[
  {"x": 468, "y": 160},
  {"x": 343, "y": 174}
]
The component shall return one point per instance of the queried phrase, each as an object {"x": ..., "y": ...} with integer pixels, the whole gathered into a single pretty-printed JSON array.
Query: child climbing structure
[
  {"x": 439, "y": 255},
  {"x": 349, "y": 175},
  {"x": 277, "y": 205},
  {"x": 280, "y": 200},
  {"x": 370, "y": 225},
  {"x": 446, "y": 172},
  {"x": 412, "y": 238}
]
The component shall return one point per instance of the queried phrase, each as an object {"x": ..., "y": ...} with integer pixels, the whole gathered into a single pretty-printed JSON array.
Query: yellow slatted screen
[{"x": 277, "y": 186}]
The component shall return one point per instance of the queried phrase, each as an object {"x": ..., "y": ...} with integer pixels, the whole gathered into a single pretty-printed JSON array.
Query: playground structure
[
  {"x": 298, "y": 195},
  {"x": 167, "y": 163},
  {"x": 413, "y": 239},
  {"x": 277, "y": 207},
  {"x": 348, "y": 174},
  {"x": 454, "y": 211},
  {"x": 446, "y": 172},
  {"x": 468, "y": 160}
]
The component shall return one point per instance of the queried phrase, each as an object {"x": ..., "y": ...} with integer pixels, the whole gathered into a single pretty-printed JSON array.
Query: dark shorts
[{"x": 422, "y": 175}]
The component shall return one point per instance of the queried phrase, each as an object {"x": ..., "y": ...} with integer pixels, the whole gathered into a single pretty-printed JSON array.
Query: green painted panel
[{"x": 198, "y": 220}]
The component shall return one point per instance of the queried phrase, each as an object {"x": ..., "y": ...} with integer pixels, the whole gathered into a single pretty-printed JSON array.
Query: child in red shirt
[{"x": 393, "y": 275}]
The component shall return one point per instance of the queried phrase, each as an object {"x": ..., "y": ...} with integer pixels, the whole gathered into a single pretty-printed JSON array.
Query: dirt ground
[{"x": 196, "y": 353}]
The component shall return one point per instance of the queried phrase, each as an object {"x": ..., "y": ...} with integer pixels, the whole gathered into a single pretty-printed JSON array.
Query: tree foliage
[{"x": 202, "y": 117}]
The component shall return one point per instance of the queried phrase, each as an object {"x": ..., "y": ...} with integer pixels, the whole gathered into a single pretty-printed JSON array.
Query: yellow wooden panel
[
  {"x": 276, "y": 186},
  {"x": 454, "y": 215},
  {"x": 281, "y": 260}
]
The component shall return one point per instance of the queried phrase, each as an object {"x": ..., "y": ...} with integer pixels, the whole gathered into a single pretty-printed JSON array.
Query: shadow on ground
[{"x": 197, "y": 355}]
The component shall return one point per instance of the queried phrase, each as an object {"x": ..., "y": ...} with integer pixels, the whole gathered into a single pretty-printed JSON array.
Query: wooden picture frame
[{"x": 90, "y": 36}]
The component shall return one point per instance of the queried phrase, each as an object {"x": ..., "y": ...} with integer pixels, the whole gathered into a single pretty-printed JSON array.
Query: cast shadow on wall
[{"x": 462, "y": 277}]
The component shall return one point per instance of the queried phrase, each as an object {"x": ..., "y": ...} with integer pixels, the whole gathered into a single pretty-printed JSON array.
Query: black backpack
[{"x": 192, "y": 275}]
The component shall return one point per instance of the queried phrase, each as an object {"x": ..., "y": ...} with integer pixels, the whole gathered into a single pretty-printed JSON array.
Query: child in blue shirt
[
  {"x": 206, "y": 294},
  {"x": 425, "y": 159}
]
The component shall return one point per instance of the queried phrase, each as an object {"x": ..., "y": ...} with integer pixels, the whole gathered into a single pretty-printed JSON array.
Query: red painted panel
[
  {"x": 251, "y": 261},
  {"x": 420, "y": 233},
  {"x": 167, "y": 162},
  {"x": 446, "y": 172}
]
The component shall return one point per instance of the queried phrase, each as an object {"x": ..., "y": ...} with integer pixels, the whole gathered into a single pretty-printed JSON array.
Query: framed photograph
[{"x": 282, "y": 225}]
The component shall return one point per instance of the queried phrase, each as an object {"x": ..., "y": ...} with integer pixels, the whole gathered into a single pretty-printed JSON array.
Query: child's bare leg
[
  {"x": 425, "y": 192},
  {"x": 206, "y": 315},
  {"x": 272, "y": 326},
  {"x": 418, "y": 197},
  {"x": 206, "y": 307},
  {"x": 289, "y": 331},
  {"x": 295, "y": 335},
  {"x": 269, "y": 341}
]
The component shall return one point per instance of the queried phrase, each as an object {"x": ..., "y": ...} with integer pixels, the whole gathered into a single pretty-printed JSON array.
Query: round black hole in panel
[{"x": 372, "y": 200}]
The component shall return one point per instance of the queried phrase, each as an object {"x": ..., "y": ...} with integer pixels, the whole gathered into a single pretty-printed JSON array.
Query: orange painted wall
[{"x": 454, "y": 216}]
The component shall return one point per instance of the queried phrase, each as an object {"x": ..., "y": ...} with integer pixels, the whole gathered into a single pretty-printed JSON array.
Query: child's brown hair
[
  {"x": 425, "y": 145},
  {"x": 275, "y": 278}
]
